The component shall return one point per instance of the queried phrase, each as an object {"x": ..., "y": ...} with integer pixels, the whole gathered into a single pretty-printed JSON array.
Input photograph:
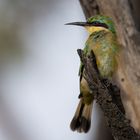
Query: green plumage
[
  {"x": 104, "y": 45},
  {"x": 103, "y": 19},
  {"x": 103, "y": 42}
]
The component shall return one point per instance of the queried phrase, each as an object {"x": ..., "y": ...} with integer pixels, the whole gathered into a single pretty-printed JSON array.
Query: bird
[{"x": 102, "y": 40}]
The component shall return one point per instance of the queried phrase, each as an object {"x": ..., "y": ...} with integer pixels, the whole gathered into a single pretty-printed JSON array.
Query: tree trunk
[{"x": 127, "y": 26}]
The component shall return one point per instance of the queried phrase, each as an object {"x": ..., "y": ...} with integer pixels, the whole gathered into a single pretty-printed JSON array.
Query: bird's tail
[{"x": 82, "y": 118}]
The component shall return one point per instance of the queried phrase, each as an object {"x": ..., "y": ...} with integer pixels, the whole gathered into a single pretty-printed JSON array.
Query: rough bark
[
  {"x": 128, "y": 76},
  {"x": 107, "y": 96}
]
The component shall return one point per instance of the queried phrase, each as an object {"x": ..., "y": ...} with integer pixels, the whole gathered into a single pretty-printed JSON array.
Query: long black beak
[
  {"x": 78, "y": 23},
  {"x": 88, "y": 24}
]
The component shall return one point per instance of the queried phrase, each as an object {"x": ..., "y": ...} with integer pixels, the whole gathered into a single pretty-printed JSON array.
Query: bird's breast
[{"x": 105, "y": 53}]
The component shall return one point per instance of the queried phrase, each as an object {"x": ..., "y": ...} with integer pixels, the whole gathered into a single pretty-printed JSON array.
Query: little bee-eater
[{"x": 102, "y": 41}]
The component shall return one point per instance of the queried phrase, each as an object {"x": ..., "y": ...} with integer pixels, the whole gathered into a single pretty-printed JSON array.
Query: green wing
[
  {"x": 81, "y": 65},
  {"x": 105, "y": 47}
]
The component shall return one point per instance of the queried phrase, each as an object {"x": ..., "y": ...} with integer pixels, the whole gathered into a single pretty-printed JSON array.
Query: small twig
[{"x": 107, "y": 96}]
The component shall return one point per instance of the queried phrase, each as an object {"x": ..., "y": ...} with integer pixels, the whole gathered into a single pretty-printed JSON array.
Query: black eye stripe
[{"x": 96, "y": 23}]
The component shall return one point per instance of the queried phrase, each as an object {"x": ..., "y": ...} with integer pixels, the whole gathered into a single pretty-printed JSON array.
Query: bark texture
[
  {"x": 107, "y": 96},
  {"x": 128, "y": 76}
]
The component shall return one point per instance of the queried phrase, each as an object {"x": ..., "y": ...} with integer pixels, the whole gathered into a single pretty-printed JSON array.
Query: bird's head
[{"x": 96, "y": 23}]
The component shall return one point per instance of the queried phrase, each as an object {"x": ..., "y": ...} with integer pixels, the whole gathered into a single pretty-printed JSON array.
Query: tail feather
[
  {"x": 75, "y": 123},
  {"x": 86, "y": 117},
  {"x": 82, "y": 118}
]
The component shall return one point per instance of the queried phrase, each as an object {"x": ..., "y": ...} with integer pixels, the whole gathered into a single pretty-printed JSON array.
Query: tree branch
[
  {"x": 128, "y": 74},
  {"x": 107, "y": 96}
]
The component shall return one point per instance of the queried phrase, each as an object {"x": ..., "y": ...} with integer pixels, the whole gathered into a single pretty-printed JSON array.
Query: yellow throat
[{"x": 92, "y": 29}]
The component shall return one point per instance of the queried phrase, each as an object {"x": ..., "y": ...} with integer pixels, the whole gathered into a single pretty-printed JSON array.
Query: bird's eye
[{"x": 96, "y": 22}]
